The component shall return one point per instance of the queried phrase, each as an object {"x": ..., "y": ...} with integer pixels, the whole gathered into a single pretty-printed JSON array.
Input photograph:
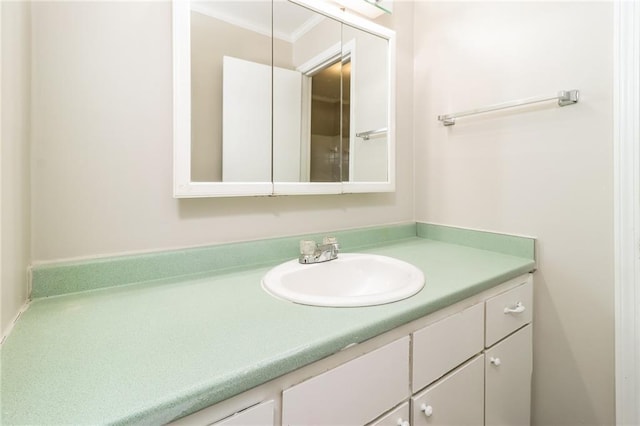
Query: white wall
[
  {"x": 542, "y": 171},
  {"x": 14, "y": 155},
  {"x": 102, "y": 143}
]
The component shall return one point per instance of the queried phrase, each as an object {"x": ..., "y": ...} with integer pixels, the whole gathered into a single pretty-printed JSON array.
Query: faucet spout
[{"x": 311, "y": 252}]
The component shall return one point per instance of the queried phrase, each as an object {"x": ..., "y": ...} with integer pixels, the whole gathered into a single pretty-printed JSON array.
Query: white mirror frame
[{"x": 184, "y": 187}]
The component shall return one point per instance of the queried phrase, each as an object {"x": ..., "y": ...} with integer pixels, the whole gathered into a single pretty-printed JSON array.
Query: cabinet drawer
[
  {"x": 457, "y": 399},
  {"x": 443, "y": 345},
  {"x": 354, "y": 393},
  {"x": 508, "y": 311},
  {"x": 398, "y": 417},
  {"x": 259, "y": 415}
]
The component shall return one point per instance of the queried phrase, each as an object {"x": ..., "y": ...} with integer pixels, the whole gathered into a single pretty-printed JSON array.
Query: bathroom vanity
[
  {"x": 469, "y": 363},
  {"x": 191, "y": 337}
]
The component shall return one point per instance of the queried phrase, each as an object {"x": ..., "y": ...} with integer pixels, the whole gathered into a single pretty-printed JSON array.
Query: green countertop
[{"x": 151, "y": 352}]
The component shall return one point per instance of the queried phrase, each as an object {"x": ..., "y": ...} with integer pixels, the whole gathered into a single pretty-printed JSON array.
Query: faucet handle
[
  {"x": 307, "y": 247},
  {"x": 329, "y": 240}
]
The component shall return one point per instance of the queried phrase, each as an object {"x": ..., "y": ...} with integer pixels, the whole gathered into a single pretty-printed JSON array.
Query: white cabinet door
[
  {"x": 456, "y": 399},
  {"x": 508, "y": 380},
  {"x": 354, "y": 393},
  {"x": 398, "y": 417},
  {"x": 260, "y": 415}
]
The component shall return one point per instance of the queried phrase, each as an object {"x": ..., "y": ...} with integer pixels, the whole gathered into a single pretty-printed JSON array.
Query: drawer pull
[
  {"x": 403, "y": 422},
  {"x": 427, "y": 410},
  {"x": 495, "y": 361},
  {"x": 518, "y": 309}
]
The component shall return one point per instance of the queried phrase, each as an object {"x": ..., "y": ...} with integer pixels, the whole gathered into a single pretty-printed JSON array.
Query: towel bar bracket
[{"x": 568, "y": 97}]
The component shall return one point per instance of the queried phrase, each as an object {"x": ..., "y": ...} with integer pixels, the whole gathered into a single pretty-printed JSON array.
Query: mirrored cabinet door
[
  {"x": 231, "y": 93},
  {"x": 365, "y": 71},
  {"x": 307, "y": 100}
]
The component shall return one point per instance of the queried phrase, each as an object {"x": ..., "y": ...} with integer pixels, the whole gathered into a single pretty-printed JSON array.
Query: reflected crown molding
[{"x": 259, "y": 20}]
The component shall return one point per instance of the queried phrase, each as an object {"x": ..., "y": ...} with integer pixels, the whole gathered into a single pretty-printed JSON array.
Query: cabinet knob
[
  {"x": 426, "y": 409},
  {"x": 403, "y": 422},
  {"x": 495, "y": 361},
  {"x": 518, "y": 309}
]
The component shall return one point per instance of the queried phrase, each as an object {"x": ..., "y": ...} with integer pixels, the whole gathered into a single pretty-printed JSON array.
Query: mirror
[{"x": 281, "y": 97}]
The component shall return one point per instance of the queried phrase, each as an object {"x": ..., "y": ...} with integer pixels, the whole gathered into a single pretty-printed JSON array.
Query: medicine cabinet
[{"x": 282, "y": 97}]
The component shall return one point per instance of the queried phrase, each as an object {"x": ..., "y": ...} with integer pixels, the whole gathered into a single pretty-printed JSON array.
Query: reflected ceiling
[{"x": 256, "y": 16}]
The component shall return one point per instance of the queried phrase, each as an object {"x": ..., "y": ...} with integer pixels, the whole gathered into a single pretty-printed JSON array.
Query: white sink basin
[{"x": 350, "y": 280}]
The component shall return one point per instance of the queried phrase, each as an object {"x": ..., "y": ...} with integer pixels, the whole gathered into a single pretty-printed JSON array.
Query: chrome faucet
[{"x": 311, "y": 252}]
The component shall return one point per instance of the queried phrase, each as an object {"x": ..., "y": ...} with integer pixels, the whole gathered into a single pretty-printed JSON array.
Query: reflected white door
[
  {"x": 246, "y": 121},
  {"x": 287, "y": 119},
  {"x": 247, "y": 154}
]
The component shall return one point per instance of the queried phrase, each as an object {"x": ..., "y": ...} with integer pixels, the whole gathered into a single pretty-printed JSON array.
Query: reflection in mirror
[
  {"x": 307, "y": 123},
  {"x": 316, "y": 59},
  {"x": 231, "y": 91},
  {"x": 369, "y": 8},
  {"x": 384, "y": 5},
  {"x": 334, "y": 63},
  {"x": 346, "y": 114},
  {"x": 369, "y": 105},
  {"x": 326, "y": 121}
]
